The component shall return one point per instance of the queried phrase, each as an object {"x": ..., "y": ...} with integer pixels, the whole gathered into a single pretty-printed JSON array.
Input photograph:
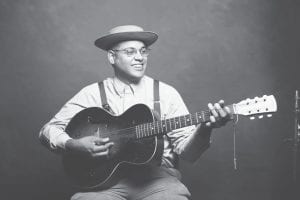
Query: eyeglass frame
[{"x": 135, "y": 51}]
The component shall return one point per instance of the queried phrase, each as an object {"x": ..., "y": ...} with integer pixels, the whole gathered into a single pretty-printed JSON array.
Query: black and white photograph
[{"x": 150, "y": 100}]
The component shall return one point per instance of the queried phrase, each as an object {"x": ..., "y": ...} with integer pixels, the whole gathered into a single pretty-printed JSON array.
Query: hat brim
[{"x": 108, "y": 41}]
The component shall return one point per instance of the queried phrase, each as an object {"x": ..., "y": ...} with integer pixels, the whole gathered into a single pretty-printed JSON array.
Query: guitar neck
[{"x": 161, "y": 127}]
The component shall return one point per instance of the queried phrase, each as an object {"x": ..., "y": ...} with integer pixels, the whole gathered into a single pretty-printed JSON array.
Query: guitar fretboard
[{"x": 162, "y": 127}]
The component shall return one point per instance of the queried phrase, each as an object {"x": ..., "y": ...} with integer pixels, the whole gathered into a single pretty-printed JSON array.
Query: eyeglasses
[{"x": 130, "y": 52}]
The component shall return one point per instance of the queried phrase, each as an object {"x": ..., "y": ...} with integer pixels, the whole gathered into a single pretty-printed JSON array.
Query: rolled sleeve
[{"x": 53, "y": 134}]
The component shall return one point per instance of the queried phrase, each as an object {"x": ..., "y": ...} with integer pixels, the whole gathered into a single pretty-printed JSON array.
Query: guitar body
[{"x": 126, "y": 153}]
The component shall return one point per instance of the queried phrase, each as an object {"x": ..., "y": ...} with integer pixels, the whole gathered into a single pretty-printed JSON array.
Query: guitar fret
[
  {"x": 188, "y": 120},
  {"x": 158, "y": 127},
  {"x": 203, "y": 116},
  {"x": 168, "y": 122},
  {"x": 184, "y": 120},
  {"x": 173, "y": 122},
  {"x": 148, "y": 129},
  {"x": 180, "y": 122},
  {"x": 197, "y": 120},
  {"x": 139, "y": 131},
  {"x": 152, "y": 129}
]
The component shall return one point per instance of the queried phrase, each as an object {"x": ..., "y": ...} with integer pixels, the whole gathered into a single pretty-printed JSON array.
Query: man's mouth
[{"x": 138, "y": 66}]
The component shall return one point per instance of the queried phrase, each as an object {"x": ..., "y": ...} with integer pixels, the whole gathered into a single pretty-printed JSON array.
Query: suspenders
[
  {"x": 156, "y": 108},
  {"x": 104, "y": 102},
  {"x": 156, "y": 104}
]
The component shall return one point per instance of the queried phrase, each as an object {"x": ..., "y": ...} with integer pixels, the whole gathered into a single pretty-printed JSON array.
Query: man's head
[
  {"x": 127, "y": 48},
  {"x": 129, "y": 59}
]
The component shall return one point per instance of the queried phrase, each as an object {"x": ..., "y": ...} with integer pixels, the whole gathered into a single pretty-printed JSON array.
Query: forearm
[
  {"x": 53, "y": 137},
  {"x": 53, "y": 134},
  {"x": 196, "y": 143}
]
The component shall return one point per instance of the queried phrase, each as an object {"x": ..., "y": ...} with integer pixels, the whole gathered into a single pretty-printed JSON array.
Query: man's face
[{"x": 129, "y": 60}]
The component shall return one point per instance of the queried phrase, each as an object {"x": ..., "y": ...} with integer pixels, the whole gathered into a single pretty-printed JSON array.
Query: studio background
[{"x": 207, "y": 49}]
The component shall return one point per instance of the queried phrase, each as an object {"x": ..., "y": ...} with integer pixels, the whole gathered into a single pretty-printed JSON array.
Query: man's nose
[{"x": 138, "y": 56}]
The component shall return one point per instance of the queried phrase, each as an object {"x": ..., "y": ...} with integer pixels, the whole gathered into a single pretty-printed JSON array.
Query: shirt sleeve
[
  {"x": 53, "y": 134},
  {"x": 181, "y": 138}
]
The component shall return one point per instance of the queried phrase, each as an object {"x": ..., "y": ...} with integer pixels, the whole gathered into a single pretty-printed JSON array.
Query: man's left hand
[{"x": 220, "y": 115}]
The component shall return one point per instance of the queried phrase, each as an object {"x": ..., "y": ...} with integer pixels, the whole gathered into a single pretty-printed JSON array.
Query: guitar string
[
  {"x": 206, "y": 114},
  {"x": 148, "y": 126}
]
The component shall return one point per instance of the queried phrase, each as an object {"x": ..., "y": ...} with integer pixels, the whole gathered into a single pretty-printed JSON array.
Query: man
[{"x": 127, "y": 50}]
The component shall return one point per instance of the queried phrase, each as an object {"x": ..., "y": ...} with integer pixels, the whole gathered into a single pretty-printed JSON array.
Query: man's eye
[{"x": 130, "y": 52}]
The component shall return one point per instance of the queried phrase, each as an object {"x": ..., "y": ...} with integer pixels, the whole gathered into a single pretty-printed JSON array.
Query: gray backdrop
[{"x": 207, "y": 49}]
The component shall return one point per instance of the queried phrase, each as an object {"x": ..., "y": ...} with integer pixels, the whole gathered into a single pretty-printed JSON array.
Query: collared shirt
[{"x": 120, "y": 97}]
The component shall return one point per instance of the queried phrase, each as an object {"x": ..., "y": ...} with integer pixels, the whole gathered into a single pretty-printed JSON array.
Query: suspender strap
[
  {"x": 156, "y": 105},
  {"x": 104, "y": 102},
  {"x": 169, "y": 162}
]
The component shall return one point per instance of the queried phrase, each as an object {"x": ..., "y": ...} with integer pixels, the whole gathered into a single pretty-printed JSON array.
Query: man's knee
[
  {"x": 166, "y": 189},
  {"x": 96, "y": 196}
]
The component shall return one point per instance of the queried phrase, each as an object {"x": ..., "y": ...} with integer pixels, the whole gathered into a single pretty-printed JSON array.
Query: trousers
[{"x": 155, "y": 183}]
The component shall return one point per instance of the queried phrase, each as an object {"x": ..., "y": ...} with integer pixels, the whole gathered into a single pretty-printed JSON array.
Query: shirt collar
[{"x": 122, "y": 87}]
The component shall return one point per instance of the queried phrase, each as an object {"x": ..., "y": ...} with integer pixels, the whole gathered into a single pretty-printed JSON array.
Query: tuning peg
[
  {"x": 260, "y": 116},
  {"x": 269, "y": 115},
  {"x": 252, "y": 118}
]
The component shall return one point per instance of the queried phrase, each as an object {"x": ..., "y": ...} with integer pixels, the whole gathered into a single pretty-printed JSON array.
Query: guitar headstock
[{"x": 256, "y": 106}]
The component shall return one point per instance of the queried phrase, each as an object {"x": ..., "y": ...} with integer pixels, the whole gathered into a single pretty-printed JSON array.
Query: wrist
[
  {"x": 69, "y": 145},
  {"x": 204, "y": 131}
]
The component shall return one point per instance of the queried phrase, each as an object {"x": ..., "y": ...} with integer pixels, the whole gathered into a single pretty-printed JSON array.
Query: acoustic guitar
[{"x": 137, "y": 137}]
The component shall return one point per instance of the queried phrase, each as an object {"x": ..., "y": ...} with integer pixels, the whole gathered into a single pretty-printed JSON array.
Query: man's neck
[{"x": 128, "y": 80}]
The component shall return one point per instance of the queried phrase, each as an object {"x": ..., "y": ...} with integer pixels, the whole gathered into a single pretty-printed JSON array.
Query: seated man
[{"x": 127, "y": 50}]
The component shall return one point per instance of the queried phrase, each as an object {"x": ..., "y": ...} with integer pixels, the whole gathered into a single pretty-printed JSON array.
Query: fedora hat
[{"x": 125, "y": 33}]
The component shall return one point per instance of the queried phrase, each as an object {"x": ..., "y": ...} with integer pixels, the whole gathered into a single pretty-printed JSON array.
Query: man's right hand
[{"x": 90, "y": 146}]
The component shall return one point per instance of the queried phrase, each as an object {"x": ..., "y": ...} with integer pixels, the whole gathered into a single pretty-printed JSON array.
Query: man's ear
[{"x": 111, "y": 57}]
